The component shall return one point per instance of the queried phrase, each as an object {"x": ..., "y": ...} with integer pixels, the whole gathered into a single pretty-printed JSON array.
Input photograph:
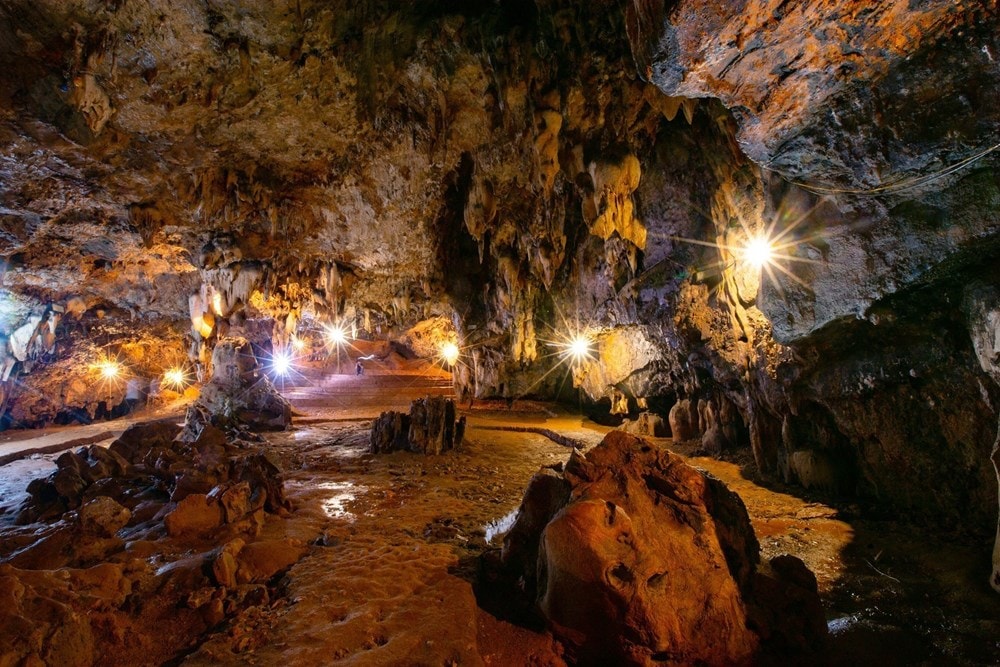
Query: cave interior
[{"x": 499, "y": 332}]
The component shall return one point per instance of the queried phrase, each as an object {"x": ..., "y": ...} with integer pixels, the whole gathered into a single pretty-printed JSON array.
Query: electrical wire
[{"x": 901, "y": 185}]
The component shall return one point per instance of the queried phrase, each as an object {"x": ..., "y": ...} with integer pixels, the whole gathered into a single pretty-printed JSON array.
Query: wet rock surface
[
  {"x": 634, "y": 557},
  {"x": 104, "y": 547}
]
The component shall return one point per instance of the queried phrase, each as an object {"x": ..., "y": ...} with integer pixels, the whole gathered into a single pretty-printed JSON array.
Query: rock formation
[
  {"x": 647, "y": 423},
  {"x": 429, "y": 428},
  {"x": 634, "y": 557},
  {"x": 77, "y": 575},
  {"x": 238, "y": 393}
]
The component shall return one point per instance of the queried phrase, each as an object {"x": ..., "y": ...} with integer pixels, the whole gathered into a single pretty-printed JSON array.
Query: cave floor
[
  {"x": 396, "y": 541},
  {"x": 400, "y": 536}
]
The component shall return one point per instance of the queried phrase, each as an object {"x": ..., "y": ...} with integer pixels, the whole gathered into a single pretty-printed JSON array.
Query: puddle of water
[
  {"x": 306, "y": 433},
  {"x": 14, "y": 479},
  {"x": 500, "y": 526},
  {"x": 841, "y": 625},
  {"x": 341, "y": 493}
]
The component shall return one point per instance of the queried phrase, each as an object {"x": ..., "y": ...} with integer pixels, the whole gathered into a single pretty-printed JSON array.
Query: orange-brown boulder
[
  {"x": 653, "y": 562},
  {"x": 197, "y": 514}
]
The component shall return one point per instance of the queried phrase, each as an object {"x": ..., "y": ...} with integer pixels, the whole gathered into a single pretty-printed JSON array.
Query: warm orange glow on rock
[
  {"x": 175, "y": 378},
  {"x": 109, "y": 369},
  {"x": 579, "y": 347}
]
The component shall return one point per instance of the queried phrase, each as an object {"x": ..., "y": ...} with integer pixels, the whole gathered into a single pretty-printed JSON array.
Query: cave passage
[{"x": 510, "y": 332}]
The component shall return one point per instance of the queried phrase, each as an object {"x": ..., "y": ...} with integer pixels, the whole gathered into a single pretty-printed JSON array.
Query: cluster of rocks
[
  {"x": 155, "y": 475},
  {"x": 429, "y": 428},
  {"x": 151, "y": 527},
  {"x": 632, "y": 557},
  {"x": 713, "y": 423}
]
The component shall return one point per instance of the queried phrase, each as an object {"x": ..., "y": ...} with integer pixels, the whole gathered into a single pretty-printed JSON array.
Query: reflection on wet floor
[
  {"x": 500, "y": 526},
  {"x": 342, "y": 492},
  {"x": 334, "y": 497}
]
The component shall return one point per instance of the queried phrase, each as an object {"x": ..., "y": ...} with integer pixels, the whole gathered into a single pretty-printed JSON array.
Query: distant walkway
[
  {"x": 21, "y": 443},
  {"x": 334, "y": 397}
]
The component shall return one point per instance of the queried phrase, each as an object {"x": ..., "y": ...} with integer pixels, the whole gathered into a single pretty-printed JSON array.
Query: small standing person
[
  {"x": 154, "y": 391},
  {"x": 359, "y": 369},
  {"x": 133, "y": 394}
]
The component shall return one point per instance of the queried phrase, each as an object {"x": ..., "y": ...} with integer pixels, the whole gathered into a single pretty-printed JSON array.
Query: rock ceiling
[{"x": 526, "y": 168}]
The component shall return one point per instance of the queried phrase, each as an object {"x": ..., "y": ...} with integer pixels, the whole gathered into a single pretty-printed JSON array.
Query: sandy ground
[{"x": 395, "y": 541}]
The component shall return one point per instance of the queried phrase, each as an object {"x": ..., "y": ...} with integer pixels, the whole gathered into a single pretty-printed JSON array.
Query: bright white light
[
  {"x": 758, "y": 252},
  {"x": 449, "y": 352},
  {"x": 281, "y": 363},
  {"x": 175, "y": 378},
  {"x": 336, "y": 335},
  {"x": 579, "y": 347},
  {"x": 109, "y": 369},
  {"x": 298, "y": 344}
]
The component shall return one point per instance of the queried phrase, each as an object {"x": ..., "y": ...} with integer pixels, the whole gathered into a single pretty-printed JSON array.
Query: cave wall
[
  {"x": 862, "y": 378},
  {"x": 531, "y": 170}
]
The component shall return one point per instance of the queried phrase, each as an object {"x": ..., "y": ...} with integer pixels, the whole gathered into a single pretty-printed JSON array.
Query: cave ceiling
[{"x": 138, "y": 134}]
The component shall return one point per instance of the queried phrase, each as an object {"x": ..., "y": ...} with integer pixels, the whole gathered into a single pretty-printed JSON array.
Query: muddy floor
[{"x": 395, "y": 541}]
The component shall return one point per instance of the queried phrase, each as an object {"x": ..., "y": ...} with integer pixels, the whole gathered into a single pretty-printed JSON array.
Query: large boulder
[
  {"x": 140, "y": 438},
  {"x": 197, "y": 514},
  {"x": 646, "y": 559},
  {"x": 104, "y": 517},
  {"x": 547, "y": 493},
  {"x": 260, "y": 561}
]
